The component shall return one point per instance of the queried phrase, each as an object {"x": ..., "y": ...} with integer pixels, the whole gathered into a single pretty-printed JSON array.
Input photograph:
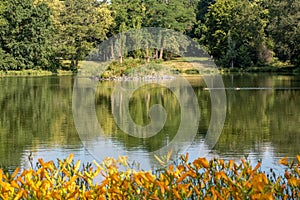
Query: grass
[
  {"x": 276, "y": 67},
  {"x": 192, "y": 65},
  {"x": 29, "y": 72},
  {"x": 138, "y": 67},
  {"x": 32, "y": 72},
  {"x": 263, "y": 69}
]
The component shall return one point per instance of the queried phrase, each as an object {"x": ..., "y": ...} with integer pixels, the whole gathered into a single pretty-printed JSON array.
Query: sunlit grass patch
[
  {"x": 33, "y": 72},
  {"x": 29, "y": 72}
]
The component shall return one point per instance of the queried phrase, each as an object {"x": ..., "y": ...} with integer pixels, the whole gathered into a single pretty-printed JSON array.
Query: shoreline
[
  {"x": 33, "y": 73},
  {"x": 177, "y": 71}
]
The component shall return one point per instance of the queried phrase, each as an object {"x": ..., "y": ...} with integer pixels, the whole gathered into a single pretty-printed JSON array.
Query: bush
[
  {"x": 192, "y": 71},
  {"x": 214, "y": 179}
]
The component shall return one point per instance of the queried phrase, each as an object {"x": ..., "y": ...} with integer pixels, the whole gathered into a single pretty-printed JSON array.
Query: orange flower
[
  {"x": 283, "y": 161},
  {"x": 298, "y": 159},
  {"x": 201, "y": 162},
  {"x": 293, "y": 182}
]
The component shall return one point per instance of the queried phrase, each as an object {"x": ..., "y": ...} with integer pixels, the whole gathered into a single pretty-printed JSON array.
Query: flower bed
[{"x": 201, "y": 179}]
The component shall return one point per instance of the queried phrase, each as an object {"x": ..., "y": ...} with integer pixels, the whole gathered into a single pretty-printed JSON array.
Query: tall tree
[
  {"x": 172, "y": 14},
  {"x": 127, "y": 15},
  {"x": 4, "y": 61},
  {"x": 245, "y": 22},
  {"x": 2, "y": 10},
  {"x": 201, "y": 11},
  {"x": 284, "y": 28},
  {"x": 80, "y": 25},
  {"x": 25, "y": 37}
]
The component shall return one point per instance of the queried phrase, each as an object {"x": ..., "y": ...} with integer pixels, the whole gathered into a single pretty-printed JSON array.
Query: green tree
[
  {"x": 79, "y": 26},
  {"x": 201, "y": 11},
  {"x": 2, "y": 10},
  {"x": 284, "y": 28},
  {"x": 245, "y": 22},
  {"x": 4, "y": 57},
  {"x": 127, "y": 15},
  {"x": 25, "y": 36},
  {"x": 172, "y": 14}
]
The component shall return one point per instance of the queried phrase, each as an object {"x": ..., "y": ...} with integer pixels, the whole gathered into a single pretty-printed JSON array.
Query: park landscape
[{"x": 48, "y": 47}]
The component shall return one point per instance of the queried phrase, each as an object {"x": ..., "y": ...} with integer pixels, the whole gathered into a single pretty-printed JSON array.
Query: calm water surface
[{"x": 262, "y": 121}]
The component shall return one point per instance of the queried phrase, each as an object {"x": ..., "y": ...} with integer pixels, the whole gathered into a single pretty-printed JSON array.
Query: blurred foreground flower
[{"x": 202, "y": 178}]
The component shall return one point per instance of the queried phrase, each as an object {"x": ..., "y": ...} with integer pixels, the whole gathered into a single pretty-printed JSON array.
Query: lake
[{"x": 262, "y": 120}]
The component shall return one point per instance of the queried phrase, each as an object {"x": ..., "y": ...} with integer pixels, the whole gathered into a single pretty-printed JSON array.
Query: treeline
[{"x": 43, "y": 34}]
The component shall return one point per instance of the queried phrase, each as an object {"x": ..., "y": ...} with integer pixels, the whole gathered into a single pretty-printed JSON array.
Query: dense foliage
[
  {"x": 238, "y": 33},
  {"x": 25, "y": 35},
  {"x": 214, "y": 179}
]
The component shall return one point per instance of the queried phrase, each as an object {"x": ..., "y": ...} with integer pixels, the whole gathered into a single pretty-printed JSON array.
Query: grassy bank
[
  {"x": 263, "y": 69},
  {"x": 32, "y": 72},
  {"x": 139, "y": 67},
  {"x": 200, "y": 179},
  {"x": 187, "y": 66}
]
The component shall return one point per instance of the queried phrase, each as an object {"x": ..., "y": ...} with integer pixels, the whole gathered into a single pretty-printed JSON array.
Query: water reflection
[
  {"x": 36, "y": 116},
  {"x": 35, "y": 112}
]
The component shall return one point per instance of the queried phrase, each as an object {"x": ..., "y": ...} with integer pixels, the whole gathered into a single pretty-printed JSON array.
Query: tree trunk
[
  {"x": 147, "y": 54},
  {"x": 104, "y": 57},
  {"x": 112, "y": 57},
  {"x": 156, "y": 53},
  {"x": 161, "y": 53},
  {"x": 120, "y": 51},
  {"x": 72, "y": 63},
  {"x": 148, "y": 103},
  {"x": 76, "y": 62},
  {"x": 231, "y": 64},
  {"x": 120, "y": 59}
]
